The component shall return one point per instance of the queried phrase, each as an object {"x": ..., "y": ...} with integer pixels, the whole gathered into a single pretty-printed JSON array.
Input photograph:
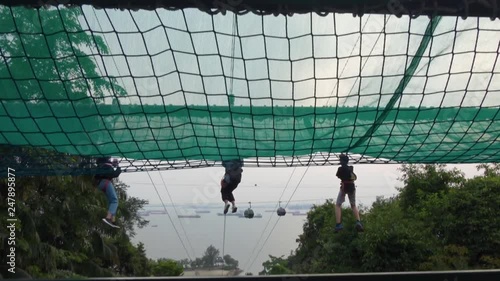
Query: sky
[
  {"x": 302, "y": 60},
  {"x": 184, "y": 57},
  {"x": 201, "y": 186}
]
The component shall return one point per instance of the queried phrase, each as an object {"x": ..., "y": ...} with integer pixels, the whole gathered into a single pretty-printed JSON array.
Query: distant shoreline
[
  {"x": 211, "y": 272},
  {"x": 268, "y": 207}
]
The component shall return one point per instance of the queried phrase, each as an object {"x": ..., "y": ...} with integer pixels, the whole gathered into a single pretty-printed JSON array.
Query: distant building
[{"x": 219, "y": 262}]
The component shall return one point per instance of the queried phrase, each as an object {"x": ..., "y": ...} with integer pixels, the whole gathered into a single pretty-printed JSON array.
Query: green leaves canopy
[{"x": 439, "y": 221}]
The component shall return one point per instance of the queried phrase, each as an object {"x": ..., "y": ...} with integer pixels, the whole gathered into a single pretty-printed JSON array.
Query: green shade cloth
[{"x": 184, "y": 88}]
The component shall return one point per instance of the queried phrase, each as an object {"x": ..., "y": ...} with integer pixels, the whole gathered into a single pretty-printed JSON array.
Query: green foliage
[
  {"x": 422, "y": 181},
  {"x": 439, "y": 221},
  {"x": 490, "y": 170},
  {"x": 393, "y": 242},
  {"x": 450, "y": 257},
  {"x": 210, "y": 257},
  {"x": 185, "y": 263},
  {"x": 275, "y": 266},
  {"x": 321, "y": 250},
  {"x": 59, "y": 232},
  {"x": 466, "y": 216},
  {"x": 58, "y": 65},
  {"x": 197, "y": 263},
  {"x": 142, "y": 267},
  {"x": 59, "y": 229},
  {"x": 166, "y": 267},
  {"x": 230, "y": 262}
]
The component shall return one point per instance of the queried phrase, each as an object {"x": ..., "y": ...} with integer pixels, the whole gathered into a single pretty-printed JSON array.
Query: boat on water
[
  {"x": 154, "y": 225},
  {"x": 157, "y": 212},
  {"x": 298, "y": 213},
  {"x": 189, "y": 216},
  {"x": 202, "y": 211},
  {"x": 229, "y": 214}
]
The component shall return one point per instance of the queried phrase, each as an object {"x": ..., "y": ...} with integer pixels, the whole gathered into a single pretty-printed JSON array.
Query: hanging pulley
[
  {"x": 281, "y": 211},
  {"x": 249, "y": 212}
]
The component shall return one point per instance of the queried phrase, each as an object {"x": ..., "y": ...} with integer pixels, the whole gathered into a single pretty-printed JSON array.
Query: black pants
[{"x": 227, "y": 192}]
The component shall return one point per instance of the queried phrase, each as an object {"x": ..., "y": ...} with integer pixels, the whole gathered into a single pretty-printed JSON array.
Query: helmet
[
  {"x": 232, "y": 165},
  {"x": 103, "y": 160},
  {"x": 343, "y": 159}
]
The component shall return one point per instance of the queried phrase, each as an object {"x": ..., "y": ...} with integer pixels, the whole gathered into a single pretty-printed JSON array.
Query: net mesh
[{"x": 165, "y": 89}]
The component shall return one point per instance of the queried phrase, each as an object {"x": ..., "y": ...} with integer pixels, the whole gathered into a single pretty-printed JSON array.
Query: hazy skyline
[
  {"x": 198, "y": 186},
  {"x": 201, "y": 186}
]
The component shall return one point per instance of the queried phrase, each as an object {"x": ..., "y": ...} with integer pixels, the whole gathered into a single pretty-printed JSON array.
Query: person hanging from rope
[
  {"x": 347, "y": 177},
  {"x": 230, "y": 182},
  {"x": 103, "y": 180}
]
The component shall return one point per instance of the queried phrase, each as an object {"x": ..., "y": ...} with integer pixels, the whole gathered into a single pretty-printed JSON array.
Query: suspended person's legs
[
  {"x": 232, "y": 200},
  {"x": 352, "y": 200},
  {"x": 107, "y": 187},
  {"x": 227, "y": 196},
  {"x": 226, "y": 204},
  {"x": 338, "y": 210},
  {"x": 113, "y": 201}
]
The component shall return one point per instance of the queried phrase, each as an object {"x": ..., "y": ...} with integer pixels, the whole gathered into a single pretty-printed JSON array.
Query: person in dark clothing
[
  {"x": 103, "y": 179},
  {"x": 230, "y": 182},
  {"x": 347, "y": 177}
]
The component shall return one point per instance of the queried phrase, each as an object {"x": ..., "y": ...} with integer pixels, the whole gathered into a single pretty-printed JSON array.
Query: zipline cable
[
  {"x": 165, "y": 208},
  {"x": 270, "y": 217},
  {"x": 175, "y": 210},
  {"x": 268, "y": 236}
]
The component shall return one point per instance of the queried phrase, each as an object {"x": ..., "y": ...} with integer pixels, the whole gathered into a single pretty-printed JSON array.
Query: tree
[
  {"x": 58, "y": 66},
  {"x": 423, "y": 180},
  {"x": 465, "y": 217},
  {"x": 129, "y": 208},
  {"x": 275, "y": 266},
  {"x": 141, "y": 262},
  {"x": 230, "y": 262},
  {"x": 59, "y": 231},
  {"x": 490, "y": 170},
  {"x": 394, "y": 241},
  {"x": 210, "y": 257},
  {"x": 185, "y": 263},
  {"x": 132, "y": 260},
  {"x": 167, "y": 267},
  {"x": 43, "y": 58},
  {"x": 197, "y": 263},
  {"x": 451, "y": 257},
  {"x": 322, "y": 251},
  {"x": 439, "y": 221}
]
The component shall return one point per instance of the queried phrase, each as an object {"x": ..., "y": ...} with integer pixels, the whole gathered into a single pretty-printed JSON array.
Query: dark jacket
[
  {"x": 344, "y": 173},
  {"x": 233, "y": 176},
  {"x": 106, "y": 171}
]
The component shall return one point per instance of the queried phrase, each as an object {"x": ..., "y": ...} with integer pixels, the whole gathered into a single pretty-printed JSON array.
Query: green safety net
[{"x": 163, "y": 89}]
